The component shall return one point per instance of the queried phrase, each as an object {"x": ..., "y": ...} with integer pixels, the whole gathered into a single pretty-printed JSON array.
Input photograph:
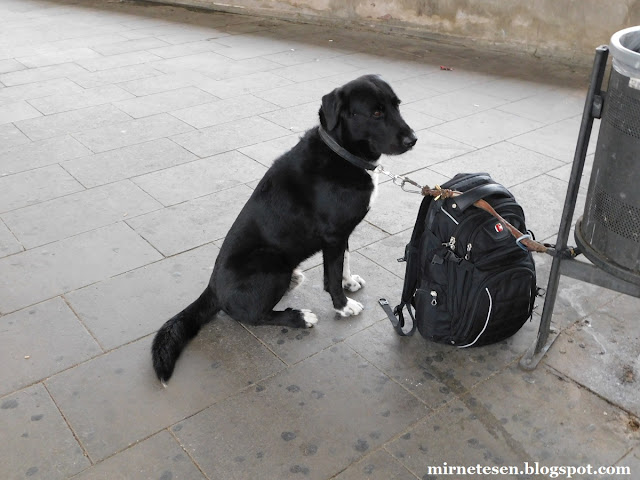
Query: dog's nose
[{"x": 410, "y": 140}]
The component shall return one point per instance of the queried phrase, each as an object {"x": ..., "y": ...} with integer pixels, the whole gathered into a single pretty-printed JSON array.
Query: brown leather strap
[{"x": 528, "y": 242}]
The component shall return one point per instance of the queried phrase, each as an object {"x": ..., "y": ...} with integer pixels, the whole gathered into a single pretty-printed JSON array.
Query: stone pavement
[{"x": 130, "y": 137}]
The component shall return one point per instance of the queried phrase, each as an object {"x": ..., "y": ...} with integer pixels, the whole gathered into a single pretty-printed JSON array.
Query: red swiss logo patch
[{"x": 498, "y": 227}]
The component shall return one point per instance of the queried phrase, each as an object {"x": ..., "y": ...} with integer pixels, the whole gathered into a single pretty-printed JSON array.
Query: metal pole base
[{"x": 531, "y": 358}]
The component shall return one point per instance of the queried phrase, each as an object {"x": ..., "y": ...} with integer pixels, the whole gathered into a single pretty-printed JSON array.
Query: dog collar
[{"x": 349, "y": 157}]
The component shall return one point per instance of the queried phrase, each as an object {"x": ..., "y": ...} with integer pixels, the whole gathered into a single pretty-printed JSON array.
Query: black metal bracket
[{"x": 561, "y": 263}]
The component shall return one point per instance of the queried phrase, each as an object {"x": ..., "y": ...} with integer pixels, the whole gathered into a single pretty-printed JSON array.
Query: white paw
[
  {"x": 351, "y": 308},
  {"x": 310, "y": 318},
  {"x": 297, "y": 277},
  {"x": 353, "y": 284}
]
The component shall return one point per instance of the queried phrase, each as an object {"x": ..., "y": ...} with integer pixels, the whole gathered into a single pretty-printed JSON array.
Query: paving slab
[
  {"x": 42, "y": 340},
  {"x": 164, "y": 102},
  {"x": 41, "y": 74},
  {"x": 606, "y": 340},
  {"x": 134, "y": 304},
  {"x": 114, "y": 61},
  {"x": 450, "y": 106},
  {"x": 631, "y": 461},
  {"x": 509, "y": 164},
  {"x": 549, "y": 106},
  {"x": 71, "y": 122},
  {"x": 75, "y": 213},
  {"x": 125, "y": 133},
  {"x": 10, "y": 136},
  {"x": 296, "y": 119},
  {"x": 35, "y": 186},
  {"x": 558, "y": 140},
  {"x": 548, "y": 418},
  {"x": 56, "y": 57},
  {"x": 38, "y": 442},
  {"x": 114, "y": 75},
  {"x": 388, "y": 251},
  {"x": 87, "y": 98},
  {"x": 40, "y": 273},
  {"x": 9, "y": 244},
  {"x": 126, "y": 162},
  {"x": 435, "y": 82},
  {"x": 436, "y": 373},
  {"x": 486, "y": 128},
  {"x": 200, "y": 177},
  {"x": 100, "y": 397},
  {"x": 268, "y": 151},
  {"x": 223, "y": 111},
  {"x": 229, "y": 136},
  {"x": 576, "y": 300},
  {"x": 158, "y": 457},
  {"x": 14, "y": 112},
  {"x": 320, "y": 421},
  {"x": 392, "y": 212},
  {"x": 512, "y": 89},
  {"x": 163, "y": 82},
  {"x": 127, "y": 46},
  {"x": 29, "y": 155},
  {"x": 35, "y": 90},
  {"x": 379, "y": 465},
  {"x": 10, "y": 65},
  {"x": 191, "y": 224},
  {"x": 541, "y": 423},
  {"x": 472, "y": 440},
  {"x": 218, "y": 68},
  {"x": 298, "y": 93}
]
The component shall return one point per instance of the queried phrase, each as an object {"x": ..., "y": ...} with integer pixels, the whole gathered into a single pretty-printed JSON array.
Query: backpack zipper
[{"x": 472, "y": 235}]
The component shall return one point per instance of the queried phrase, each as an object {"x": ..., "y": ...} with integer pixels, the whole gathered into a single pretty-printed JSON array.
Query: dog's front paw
[
  {"x": 297, "y": 277},
  {"x": 310, "y": 318},
  {"x": 351, "y": 308},
  {"x": 353, "y": 284}
]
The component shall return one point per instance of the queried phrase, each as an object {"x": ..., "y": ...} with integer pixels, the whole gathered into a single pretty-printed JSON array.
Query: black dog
[{"x": 311, "y": 199}]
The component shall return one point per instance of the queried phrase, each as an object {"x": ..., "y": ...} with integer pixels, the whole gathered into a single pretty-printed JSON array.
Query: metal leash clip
[{"x": 400, "y": 181}]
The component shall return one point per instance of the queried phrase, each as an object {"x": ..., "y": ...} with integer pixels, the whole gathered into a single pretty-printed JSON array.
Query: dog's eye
[{"x": 377, "y": 114}]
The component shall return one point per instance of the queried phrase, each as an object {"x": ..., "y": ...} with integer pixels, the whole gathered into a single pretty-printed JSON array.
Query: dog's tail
[{"x": 174, "y": 335}]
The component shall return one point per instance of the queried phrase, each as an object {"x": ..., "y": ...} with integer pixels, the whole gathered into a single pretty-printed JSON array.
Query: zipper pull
[
  {"x": 434, "y": 298},
  {"x": 468, "y": 254},
  {"x": 451, "y": 244}
]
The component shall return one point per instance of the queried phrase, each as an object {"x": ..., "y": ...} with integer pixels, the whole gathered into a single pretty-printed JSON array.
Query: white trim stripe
[
  {"x": 449, "y": 215},
  {"x": 486, "y": 323}
]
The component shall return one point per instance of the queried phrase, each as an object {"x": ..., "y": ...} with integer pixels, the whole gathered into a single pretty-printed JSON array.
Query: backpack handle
[{"x": 468, "y": 198}]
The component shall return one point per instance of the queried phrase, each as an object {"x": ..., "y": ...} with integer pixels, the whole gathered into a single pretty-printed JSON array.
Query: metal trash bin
[{"x": 608, "y": 233}]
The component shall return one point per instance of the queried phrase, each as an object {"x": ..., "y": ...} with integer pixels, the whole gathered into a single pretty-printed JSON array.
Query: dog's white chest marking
[{"x": 374, "y": 178}]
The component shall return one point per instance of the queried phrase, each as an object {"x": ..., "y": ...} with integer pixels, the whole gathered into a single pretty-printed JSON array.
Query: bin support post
[{"x": 592, "y": 110}]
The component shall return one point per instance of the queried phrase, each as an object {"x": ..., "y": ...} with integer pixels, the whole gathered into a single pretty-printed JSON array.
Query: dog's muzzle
[{"x": 410, "y": 140}]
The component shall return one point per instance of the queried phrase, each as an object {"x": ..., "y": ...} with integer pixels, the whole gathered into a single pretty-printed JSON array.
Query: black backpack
[{"x": 469, "y": 281}]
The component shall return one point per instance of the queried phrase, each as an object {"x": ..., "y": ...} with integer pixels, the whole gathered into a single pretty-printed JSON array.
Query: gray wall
[{"x": 569, "y": 29}]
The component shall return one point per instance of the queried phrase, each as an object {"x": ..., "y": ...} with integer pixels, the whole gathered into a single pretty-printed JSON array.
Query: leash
[
  {"x": 400, "y": 181},
  {"x": 523, "y": 240}
]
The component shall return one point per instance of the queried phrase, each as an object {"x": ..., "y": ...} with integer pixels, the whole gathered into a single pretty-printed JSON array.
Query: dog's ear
[{"x": 330, "y": 110}]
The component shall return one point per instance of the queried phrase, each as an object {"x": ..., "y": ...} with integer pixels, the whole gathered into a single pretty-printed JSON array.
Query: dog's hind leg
[
  {"x": 174, "y": 335},
  {"x": 289, "y": 317},
  {"x": 253, "y": 302}
]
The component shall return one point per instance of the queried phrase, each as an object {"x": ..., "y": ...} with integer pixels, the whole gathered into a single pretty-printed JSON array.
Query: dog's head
[{"x": 364, "y": 117}]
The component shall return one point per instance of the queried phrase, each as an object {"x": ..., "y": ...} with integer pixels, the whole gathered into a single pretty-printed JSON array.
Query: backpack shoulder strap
[
  {"x": 412, "y": 250},
  {"x": 396, "y": 317}
]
